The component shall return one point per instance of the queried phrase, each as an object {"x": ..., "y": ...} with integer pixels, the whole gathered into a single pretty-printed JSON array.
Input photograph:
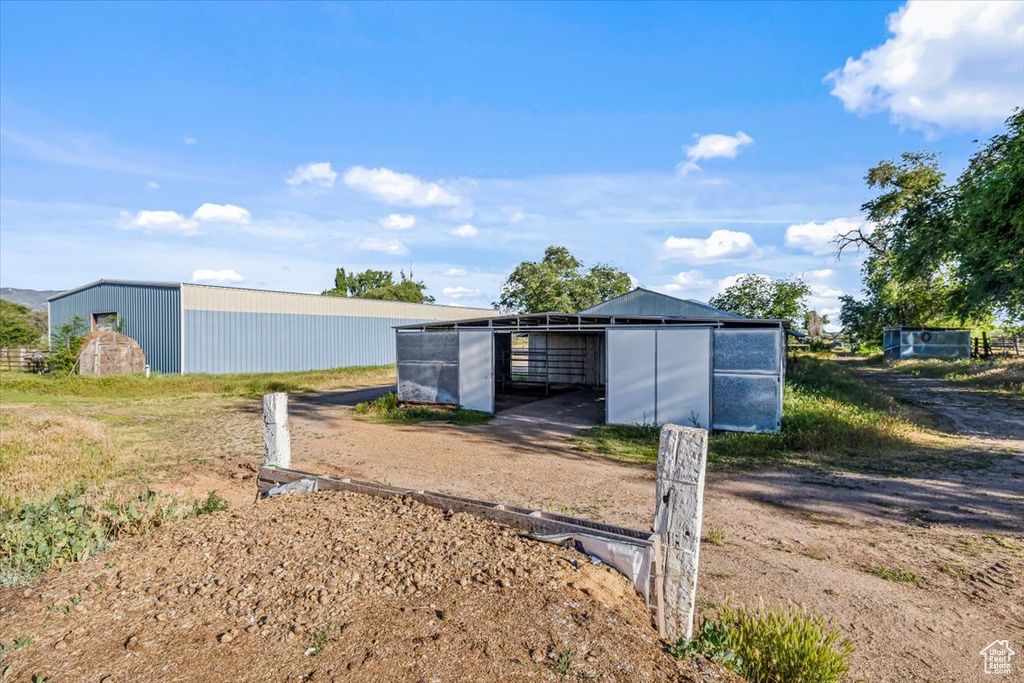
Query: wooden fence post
[
  {"x": 682, "y": 459},
  {"x": 276, "y": 438}
]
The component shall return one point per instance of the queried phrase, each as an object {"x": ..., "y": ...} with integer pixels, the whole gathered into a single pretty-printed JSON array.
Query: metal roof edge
[
  {"x": 156, "y": 283},
  {"x": 350, "y": 298},
  {"x": 515, "y": 319},
  {"x": 103, "y": 281}
]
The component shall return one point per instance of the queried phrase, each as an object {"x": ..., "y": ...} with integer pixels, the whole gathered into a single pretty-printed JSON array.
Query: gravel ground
[{"x": 333, "y": 586}]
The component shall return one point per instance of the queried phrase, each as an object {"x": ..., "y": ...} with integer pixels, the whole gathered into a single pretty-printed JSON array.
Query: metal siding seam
[{"x": 181, "y": 332}]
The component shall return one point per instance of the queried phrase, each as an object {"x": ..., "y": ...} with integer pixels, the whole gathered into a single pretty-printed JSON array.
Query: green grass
[
  {"x": 997, "y": 375},
  {"x": 13, "y": 646},
  {"x": 387, "y": 409},
  {"x": 560, "y": 660},
  {"x": 771, "y": 644},
  {"x": 898, "y": 575},
  {"x": 319, "y": 640},
  {"x": 831, "y": 421},
  {"x": 715, "y": 536},
  {"x": 24, "y": 387}
]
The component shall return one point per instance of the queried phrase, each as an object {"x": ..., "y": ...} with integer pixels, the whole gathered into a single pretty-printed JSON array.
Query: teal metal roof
[{"x": 645, "y": 302}]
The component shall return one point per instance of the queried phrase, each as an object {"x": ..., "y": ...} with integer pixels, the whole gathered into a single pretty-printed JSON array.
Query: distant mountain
[{"x": 33, "y": 298}]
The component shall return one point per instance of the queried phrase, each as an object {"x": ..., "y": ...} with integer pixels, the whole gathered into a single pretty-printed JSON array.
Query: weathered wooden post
[
  {"x": 276, "y": 439},
  {"x": 682, "y": 458}
]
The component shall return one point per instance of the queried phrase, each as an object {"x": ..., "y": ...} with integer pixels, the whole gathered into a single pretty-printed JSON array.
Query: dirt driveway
[{"x": 817, "y": 539}]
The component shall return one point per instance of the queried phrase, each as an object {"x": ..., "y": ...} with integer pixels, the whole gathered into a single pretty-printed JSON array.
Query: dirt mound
[{"x": 334, "y": 586}]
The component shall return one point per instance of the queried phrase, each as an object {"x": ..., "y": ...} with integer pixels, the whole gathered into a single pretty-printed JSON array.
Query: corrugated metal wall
[
  {"x": 150, "y": 314},
  {"x": 231, "y": 330},
  {"x": 209, "y": 298},
  {"x": 234, "y": 342}
]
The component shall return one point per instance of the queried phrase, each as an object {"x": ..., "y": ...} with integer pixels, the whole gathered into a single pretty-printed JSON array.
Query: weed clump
[
  {"x": 389, "y": 409},
  {"x": 767, "y": 645},
  {"x": 75, "y": 525}
]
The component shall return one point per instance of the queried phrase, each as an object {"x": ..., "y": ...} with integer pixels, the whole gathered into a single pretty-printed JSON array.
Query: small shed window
[{"x": 104, "y": 322}]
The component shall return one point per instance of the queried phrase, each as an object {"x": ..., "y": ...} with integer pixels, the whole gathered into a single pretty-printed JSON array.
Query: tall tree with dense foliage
[
  {"x": 906, "y": 280},
  {"x": 18, "y": 326},
  {"x": 380, "y": 285},
  {"x": 987, "y": 243},
  {"x": 560, "y": 282},
  {"x": 760, "y": 296},
  {"x": 939, "y": 254}
]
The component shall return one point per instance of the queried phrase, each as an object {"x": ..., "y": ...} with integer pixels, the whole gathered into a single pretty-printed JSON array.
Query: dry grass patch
[
  {"x": 42, "y": 452},
  {"x": 1000, "y": 374}
]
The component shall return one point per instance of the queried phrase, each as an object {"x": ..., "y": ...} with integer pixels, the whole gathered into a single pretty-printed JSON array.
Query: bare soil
[
  {"x": 330, "y": 587},
  {"x": 819, "y": 539}
]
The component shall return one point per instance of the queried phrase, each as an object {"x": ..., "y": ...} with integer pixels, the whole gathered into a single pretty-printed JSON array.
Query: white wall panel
[
  {"x": 476, "y": 370},
  {"x": 630, "y": 395},
  {"x": 684, "y": 377}
]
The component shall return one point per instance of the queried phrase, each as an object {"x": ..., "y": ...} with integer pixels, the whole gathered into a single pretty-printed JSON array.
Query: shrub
[{"x": 769, "y": 645}]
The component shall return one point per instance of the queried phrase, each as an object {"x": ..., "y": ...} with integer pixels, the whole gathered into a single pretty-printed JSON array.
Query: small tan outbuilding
[{"x": 110, "y": 353}]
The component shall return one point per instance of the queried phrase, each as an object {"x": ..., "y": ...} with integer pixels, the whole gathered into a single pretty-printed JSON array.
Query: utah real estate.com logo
[{"x": 997, "y": 657}]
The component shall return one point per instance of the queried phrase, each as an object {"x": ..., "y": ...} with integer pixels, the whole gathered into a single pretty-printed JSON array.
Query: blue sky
[{"x": 264, "y": 145}]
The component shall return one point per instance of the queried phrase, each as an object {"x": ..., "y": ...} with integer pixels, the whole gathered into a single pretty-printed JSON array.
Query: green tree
[
  {"x": 759, "y": 296},
  {"x": 379, "y": 285},
  {"x": 17, "y": 325},
  {"x": 986, "y": 244},
  {"x": 916, "y": 253},
  {"x": 560, "y": 282},
  {"x": 65, "y": 345}
]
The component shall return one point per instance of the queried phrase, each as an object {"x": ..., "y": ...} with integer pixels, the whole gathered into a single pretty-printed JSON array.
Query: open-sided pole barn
[{"x": 718, "y": 373}]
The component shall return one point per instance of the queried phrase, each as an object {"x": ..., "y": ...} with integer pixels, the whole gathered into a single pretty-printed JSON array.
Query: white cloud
[
  {"x": 690, "y": 282},
  {"x": 693, "y": 278},
  {"x": 729, "y": 280},
  {"x": 172, "y": 221},
  {"x": 713, "y": 146},
  {"x": 393, "y": 247},
  {"x": 224, "y": 275},
  {"x": 465, "y": 230},
  {"x": 721, "y": 245},
  {"x": 316, "y": 173},
  {"x": 160, "y": 221},
  {"x": 513, "y": 214},
  {"x": 820, "y": 238},
  {"x": 824, "y": 291},
  {"x": 399, "y": 188},
  {"x": 955, "y": 65},
  {"x": 821, "y": 274},
  {"x": 152, "y": 185},
  {"x": 189, "y": 140},
  {"x": 222, "y": 213},
  {"x": 455, "y": 272},
  {"x": 398, "y": 221},
  {"x": 459, "y": 292}
]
